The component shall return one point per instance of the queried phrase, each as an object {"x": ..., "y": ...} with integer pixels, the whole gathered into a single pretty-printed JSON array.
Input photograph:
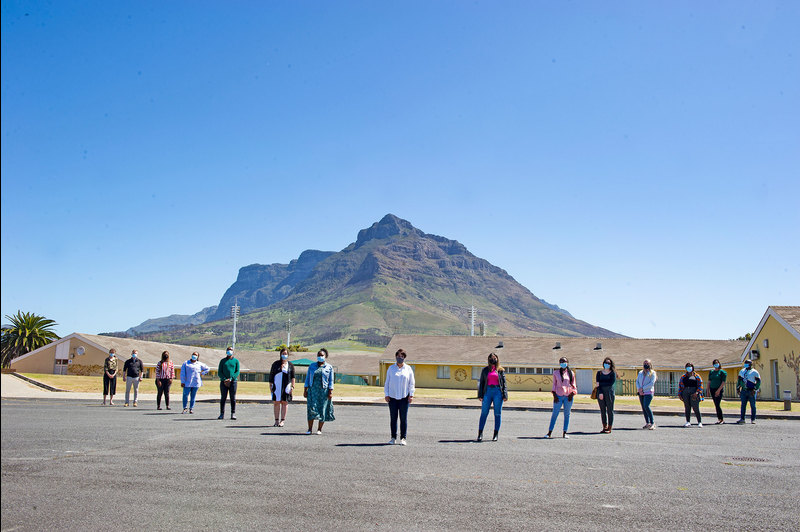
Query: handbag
[{"x": 594, "y": 393}]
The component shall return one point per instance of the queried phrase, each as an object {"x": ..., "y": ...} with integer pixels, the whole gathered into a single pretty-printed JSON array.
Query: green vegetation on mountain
[{"x": 393, "y": 279}]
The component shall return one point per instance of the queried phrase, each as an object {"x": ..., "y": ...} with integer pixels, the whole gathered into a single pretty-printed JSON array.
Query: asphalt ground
[{"x": 77, "y": 465}]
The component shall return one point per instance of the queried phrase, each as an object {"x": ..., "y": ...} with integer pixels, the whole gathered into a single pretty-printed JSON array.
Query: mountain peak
[{"x": 389, "y": 225}]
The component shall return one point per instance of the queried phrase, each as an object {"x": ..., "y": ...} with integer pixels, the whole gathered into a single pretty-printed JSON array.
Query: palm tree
[{"x": 25, "y": 333}]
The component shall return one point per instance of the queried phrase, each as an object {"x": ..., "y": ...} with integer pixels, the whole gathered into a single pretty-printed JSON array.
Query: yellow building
[
  {"x": 457, "y": 361},
  {"x": 775, "y": 351}
]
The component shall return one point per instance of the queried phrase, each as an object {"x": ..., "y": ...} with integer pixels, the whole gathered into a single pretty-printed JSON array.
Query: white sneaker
[
  {"x": 319, "y": 432},
  {"x": 652, "y": 427},
  {"x": 565, "y": 436},
  {"x": 402, "y": 441},
  {"x": 699, "y": 425},
  {"x": 392, "y": 441},
  {"x": 688, "y": 424}
]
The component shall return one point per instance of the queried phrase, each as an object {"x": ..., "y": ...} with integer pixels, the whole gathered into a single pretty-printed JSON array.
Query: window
[
  {"x": 442, "y": 372},
  {"x": 530, "y": 371},
  {"x": 511, "y": 370},
  {"x": 544, "y": 371},
  {"x": 476, "y": 372}
]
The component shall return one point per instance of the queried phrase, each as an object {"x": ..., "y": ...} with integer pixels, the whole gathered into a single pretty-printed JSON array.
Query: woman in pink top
[
  {"x": 492, "y": 389},
  {"x": 564, "y": 389}
]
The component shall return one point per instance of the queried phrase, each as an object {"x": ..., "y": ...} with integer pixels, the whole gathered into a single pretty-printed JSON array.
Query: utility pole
[
  {"x": 472, "y": 320},
  {"x": 288, "y": 332},
  {"x": 234, "y": 314}
]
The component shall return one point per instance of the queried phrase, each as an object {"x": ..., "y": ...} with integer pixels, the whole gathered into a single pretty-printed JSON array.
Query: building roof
[
  {"x": 788, "y": 317},
  {"x": 351, "y": 362},
  {"x": 581, "y": 352}
]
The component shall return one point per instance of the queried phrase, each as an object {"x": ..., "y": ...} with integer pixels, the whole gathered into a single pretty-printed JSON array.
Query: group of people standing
[{"x": 399, "y": 388}]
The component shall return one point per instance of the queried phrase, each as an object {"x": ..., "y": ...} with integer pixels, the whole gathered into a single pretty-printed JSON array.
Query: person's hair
[
  {"x": 650, "y": 363},
  {"x": 716, "y": 361},
  {"x": 613, "y": 368},
  {"x": 284, "y": 350},
  {"x": 400, "y": 353},
  {"x": 164, "y": 356},
  {"x": 229, "y": 347},
  {"x": 568, "y": 369},
  {"x": 135, "y": 351},
  {"x": 323, "y": 351},
  {"x": 497, "y": 365},
  {"x": 112, "y": 350}
]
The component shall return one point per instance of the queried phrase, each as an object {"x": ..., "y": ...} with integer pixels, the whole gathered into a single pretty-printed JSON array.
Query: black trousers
[
  {"x": 109, "y": 385},
  {"x": 717, "y": 401},
  {"x": 606, "y": 405},
  {"x": 163, "y": 389},
  {"x": 690, "y": 404},
  {"x": 398, "y": 407},
  {"x": 224, "y": 390}
]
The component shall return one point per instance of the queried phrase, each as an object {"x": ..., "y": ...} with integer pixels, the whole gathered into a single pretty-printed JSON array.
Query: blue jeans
[
  {"x": 186, "y": 392},
  {"x": 492, "y": 395},
  {"x": 562, "y": 400},
  {"x": 646, "y": 410},
  {"x": 748, "y": 395}
]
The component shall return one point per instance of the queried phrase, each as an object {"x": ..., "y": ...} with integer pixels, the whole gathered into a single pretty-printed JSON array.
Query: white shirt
[
  {"x": 399, "y": 382},
  {"x": 749, "y": 375}
]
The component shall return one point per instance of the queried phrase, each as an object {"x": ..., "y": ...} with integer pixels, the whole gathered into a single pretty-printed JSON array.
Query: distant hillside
[
  {"x": 172, "y": 321},
  {"x": 393, "y": 278}
]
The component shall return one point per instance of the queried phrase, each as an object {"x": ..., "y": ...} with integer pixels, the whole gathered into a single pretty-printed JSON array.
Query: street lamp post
[
  {"x": 234, "y": 314},
  {"x": 288, "y": 333}
]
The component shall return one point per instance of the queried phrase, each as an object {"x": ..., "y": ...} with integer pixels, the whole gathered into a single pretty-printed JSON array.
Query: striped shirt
[{"x": 165, "y": 371}]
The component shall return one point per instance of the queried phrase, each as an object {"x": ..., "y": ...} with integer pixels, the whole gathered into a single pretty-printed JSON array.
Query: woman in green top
[
  {"x": 319, "y": 391},
  {"x": 716, "y": 383}
]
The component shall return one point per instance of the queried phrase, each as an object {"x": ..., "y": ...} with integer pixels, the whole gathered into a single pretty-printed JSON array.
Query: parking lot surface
[{"x": 77, "y": 465}]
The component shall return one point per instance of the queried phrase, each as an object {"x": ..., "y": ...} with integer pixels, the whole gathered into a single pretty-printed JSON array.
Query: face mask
[
  {"x": 284, "y": 357},
  {"x": 563, "y": 365},
  {"x": 229, "y": 353},
  {"x": 716, "y": 366},
  {"x": 133, "y": 355},
  {"x": 606, "y": 365},
  {"x": 111, "y": 355},
  {"x": 399, "y": 360},
  {"x": 321, "y": 359},
  {"x": 689, "y": 369},
  {"x": 194, "y": 357},
  {"x": 747, "y": 366},
  {"x": 647, "y": 367}
]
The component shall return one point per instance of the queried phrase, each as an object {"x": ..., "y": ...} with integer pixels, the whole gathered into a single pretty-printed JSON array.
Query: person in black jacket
[
  {"x": 132, "y": 375},
  {"x": 492, "y": 390},
  {"x": 281, "y": 384}
]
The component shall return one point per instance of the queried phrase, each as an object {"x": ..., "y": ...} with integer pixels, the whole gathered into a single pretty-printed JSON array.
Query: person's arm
[
  {"x": 386, "y": 396},
  {"x": 236, "y": 371},
  {"x": 183, "y": 375},
  {"x": 758, "y": 381},
  {"x": 699, "y": 385},
  {"x": 411, "y": 386},
  {"x": 680, "y": 384},
  {"x": 556, "y": 375},
  {"x": 141, "y": 369},
  {"x": 333, "y": 378},
  {"x": 204, "y": 369}
]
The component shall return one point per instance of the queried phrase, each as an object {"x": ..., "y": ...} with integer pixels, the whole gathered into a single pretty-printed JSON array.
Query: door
[
  {"x": 62, "y": 358},
  {"x": 776, "y": 385},
  {"x": 585, "y": 381}
]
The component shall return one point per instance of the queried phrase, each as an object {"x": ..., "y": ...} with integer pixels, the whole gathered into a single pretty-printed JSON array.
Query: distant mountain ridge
[{"x": 393, "y": 278}]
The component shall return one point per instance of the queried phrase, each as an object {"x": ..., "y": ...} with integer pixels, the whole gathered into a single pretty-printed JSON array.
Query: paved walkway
[{"x": 13, "y": 386}]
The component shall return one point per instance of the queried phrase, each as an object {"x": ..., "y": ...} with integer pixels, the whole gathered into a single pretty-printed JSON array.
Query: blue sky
[{"x": 637, "y": 163}]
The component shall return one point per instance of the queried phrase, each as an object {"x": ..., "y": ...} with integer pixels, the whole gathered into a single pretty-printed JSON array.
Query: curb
[{"x": 36, "y": 383}]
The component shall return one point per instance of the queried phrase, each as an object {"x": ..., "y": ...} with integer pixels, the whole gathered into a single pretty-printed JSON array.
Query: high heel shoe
[
  {"x": 480, "y": 436},
  {"x": 494, "y": 438}
]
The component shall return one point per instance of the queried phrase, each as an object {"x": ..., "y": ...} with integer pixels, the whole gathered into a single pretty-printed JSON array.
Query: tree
[
  {"x": 25, "y": 333},
  {"x": 746, "y": 337}
]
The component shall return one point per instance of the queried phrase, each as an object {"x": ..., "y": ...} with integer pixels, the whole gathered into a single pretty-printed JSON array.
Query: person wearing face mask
[
  {"x": 165, "y": 372},
  {"x": 110, "y": 376},
  {"x": 191, "y": 380},
  {"x": 690, "y": 389},
  {"x": 716, "y": 384},
  {"x": 318, "y": 391},
  {"x": 492, "y": 391},
  {"x": 398, "y": 391},
  {"x": 604, "y": 381},
  {"x": 228, "y": 373},
  {"x": 132, "y": 372},
  {"x": 564, "y": 389},
  {"x": 281, "y": 384},
  {"x": 645, "y": 386},
  {"x": 747, "y": 386}
]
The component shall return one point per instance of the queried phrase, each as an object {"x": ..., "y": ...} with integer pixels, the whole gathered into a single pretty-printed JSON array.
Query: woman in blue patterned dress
[{"x": 318, "y": 391}]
